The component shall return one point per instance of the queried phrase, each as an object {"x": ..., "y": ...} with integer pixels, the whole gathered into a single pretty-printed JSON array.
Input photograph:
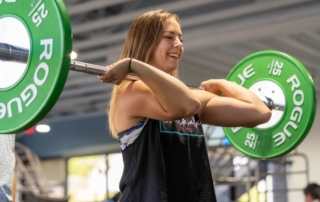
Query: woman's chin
[{"x": 172, "y": 69}]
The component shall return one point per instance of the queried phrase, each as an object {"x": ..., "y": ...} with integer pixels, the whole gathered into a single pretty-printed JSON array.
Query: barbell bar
[
  {"x": 280, "y": 80},
  {"x": 12, "y": 53}
]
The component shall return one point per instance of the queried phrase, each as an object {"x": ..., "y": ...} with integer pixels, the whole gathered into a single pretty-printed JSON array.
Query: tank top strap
[{"x": 129, "y": 136}]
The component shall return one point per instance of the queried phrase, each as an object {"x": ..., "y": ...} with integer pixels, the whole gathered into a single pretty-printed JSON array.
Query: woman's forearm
[
  {"x": 172, "y": 94},
  {"x": 233, "y": 90}
]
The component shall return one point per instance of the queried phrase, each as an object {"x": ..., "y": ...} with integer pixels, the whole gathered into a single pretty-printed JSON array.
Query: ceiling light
[
  {"x": 74, "y": 55},
  {"x": 42, "y": 128}
]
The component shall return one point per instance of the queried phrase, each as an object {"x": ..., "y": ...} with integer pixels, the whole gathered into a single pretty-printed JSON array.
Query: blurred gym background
[{"x": 74, "y": 158}]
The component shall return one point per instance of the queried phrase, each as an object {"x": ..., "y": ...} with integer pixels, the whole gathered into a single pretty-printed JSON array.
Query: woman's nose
[{"x": 178, "y": 42}]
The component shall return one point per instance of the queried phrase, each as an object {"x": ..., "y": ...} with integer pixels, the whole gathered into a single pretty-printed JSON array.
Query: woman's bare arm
[
  {"x": 238, "y": 106},
  {"x": 156, "y": 95}
]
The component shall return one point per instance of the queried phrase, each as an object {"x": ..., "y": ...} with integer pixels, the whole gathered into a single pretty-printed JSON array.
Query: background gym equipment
[{"x": 280, "y": 80}]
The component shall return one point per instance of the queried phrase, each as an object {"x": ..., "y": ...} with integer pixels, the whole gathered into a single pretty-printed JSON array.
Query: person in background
[
  {"x": 158, "y": 119},
  {"x": 7, "y": 163},
  {"x": 312, "y": 193}
]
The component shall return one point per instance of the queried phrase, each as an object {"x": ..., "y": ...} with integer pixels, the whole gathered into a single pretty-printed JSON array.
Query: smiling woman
[{"x": 158, "y": 119}]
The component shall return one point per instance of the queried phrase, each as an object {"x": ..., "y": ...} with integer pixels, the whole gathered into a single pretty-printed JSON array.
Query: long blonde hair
[{"x": 143, "y": 37}]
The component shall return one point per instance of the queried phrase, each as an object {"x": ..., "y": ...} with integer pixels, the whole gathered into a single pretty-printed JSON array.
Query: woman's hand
[
  {"x": 212, "y": 86},
  {"x": 116, "y": 73}
]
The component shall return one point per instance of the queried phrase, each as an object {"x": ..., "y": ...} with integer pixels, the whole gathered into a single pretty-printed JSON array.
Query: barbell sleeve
[{"x": 13, "y": 53}]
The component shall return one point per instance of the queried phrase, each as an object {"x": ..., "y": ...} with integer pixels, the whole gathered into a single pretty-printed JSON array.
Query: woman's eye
[{"x": 172, "y": 38}]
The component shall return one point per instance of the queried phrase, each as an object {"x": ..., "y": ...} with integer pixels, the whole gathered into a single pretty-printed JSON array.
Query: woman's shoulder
[
  {"x": 133, "y": 87},
  {"x": 134, "y": 92},
  {"x": 130, "y": 104}
]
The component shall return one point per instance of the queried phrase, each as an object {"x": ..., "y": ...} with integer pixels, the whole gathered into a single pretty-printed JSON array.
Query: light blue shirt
[{"x": 7, "y": 163}]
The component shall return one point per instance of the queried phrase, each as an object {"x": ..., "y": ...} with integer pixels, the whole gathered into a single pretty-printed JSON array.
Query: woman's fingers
[
  {"x": 110, "y": 77},
  {"x": 105, "y": 78},
  {"x": 116, "y": 72},
  {"x": 111, "y": 66}
]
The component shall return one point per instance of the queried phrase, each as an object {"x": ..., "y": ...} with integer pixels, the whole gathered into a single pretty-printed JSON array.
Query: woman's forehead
[{"x": 171, "y": 25}]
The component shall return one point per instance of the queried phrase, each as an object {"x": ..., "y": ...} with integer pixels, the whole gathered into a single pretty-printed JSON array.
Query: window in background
[
  {"x": 87, "y": 180},
  {"x": 94, "y": 178},
  {"x": 215, "y": 136}
]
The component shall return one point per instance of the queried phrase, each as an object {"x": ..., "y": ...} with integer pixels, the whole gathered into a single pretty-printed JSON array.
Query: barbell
[{"x": 280, "y": 80}]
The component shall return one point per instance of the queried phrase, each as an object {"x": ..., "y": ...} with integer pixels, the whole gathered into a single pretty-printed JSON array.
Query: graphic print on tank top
[{"x": 186, "y": 126}]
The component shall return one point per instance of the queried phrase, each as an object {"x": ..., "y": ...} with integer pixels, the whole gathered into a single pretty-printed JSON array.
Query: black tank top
[{"x": 166, "y": 161}]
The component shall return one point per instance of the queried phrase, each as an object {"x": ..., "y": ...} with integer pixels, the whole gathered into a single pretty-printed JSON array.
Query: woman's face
[{"x": 168, "y": 53}]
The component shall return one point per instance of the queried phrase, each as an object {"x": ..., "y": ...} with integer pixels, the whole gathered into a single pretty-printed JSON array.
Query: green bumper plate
[
  {"x": 29, "y": 100},
  {"x": 283, "y": 81}
]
